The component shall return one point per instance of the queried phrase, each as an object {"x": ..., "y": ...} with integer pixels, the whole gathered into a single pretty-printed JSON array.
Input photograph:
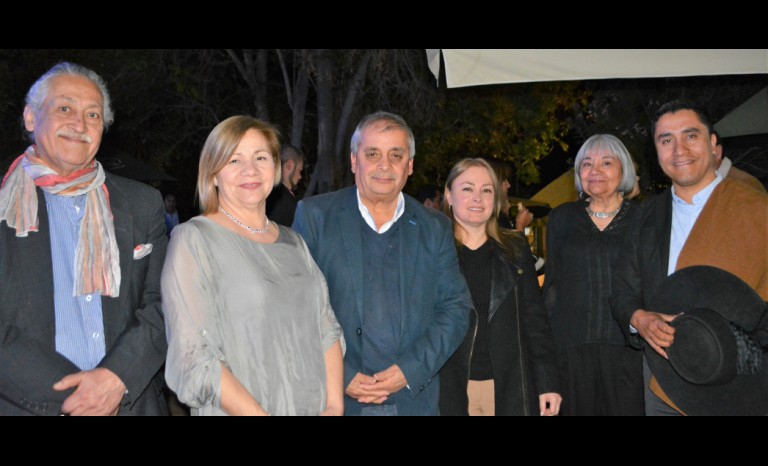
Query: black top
[
  {"x": 281, "y": 205},
  {"x": 581, "y": 268},
  {"x": 475, "y": 267},
  {"x": 505, "y": 221}
]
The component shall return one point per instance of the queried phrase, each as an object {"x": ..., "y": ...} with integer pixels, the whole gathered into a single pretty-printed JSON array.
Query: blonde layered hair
[
  {"x": 218, "y": 149},
  {"x": 501, "y": 236}
]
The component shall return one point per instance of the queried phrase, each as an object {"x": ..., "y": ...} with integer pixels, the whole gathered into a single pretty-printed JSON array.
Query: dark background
[{"x": 167, "y": 101}]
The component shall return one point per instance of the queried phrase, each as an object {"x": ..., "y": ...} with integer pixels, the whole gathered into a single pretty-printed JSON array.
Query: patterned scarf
[{"x": 97, "y": 259}]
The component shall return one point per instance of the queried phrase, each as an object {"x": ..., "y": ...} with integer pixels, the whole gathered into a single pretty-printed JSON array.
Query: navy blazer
[
  {"x": 435, "y": 301},
  {"x": 133, "y": 322}
]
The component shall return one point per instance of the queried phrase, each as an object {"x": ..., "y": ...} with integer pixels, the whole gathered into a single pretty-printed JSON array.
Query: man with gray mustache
[
  {"x": 392, "y": 273},
  {"x": 81, "y": 251}
]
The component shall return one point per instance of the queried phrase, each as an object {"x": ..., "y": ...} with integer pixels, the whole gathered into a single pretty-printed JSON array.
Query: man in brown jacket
[{"x": 701, "y": 220}]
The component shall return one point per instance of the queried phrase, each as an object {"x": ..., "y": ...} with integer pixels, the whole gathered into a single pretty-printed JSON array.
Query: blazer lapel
[
  {"x": 42, "y": 268},
  {"x": 504, "y": 278},
  {"x": 409, "y": 233},
  {"x": 665, "y": 228},
  {"x": 350, "y": 224},
  {"x": 123, "y": 222}
]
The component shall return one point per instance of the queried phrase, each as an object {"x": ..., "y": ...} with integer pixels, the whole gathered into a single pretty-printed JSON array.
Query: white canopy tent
[
  {"x": 473, "y": 67},
  {"x": 751, "y": 117}
]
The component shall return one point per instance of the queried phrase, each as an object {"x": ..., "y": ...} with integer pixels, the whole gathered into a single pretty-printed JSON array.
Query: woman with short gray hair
[{"x": 603, "y": 375}]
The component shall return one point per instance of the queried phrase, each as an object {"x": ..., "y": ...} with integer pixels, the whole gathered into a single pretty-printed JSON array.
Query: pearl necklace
[
  {"x": 252, "y": 231},
  {"x": 610, "y": 214}
]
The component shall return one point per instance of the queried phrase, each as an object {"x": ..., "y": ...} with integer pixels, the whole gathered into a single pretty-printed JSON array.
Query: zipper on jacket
[
  {"x": 522, "y": 364},
  {"x": 472, "y": 346}
]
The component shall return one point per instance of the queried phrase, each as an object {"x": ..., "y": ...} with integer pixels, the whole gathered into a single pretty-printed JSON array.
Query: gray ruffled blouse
[{"x": 261, "y": 310}]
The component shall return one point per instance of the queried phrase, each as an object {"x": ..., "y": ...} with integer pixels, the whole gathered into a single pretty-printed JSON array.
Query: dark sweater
[{"x": 381, "y": 295}]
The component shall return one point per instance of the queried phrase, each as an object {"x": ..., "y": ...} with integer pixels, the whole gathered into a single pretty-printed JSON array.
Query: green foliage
[{"x": 520, "y": 124}]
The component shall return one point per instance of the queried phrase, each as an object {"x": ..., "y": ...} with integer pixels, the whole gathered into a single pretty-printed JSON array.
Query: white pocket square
[{"x": 141, "y": 251}]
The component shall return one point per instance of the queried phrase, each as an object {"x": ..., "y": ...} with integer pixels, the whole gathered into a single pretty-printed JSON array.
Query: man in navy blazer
[
  {"x": 392, "y": 274},
  {"x": 78, "y": 336}
]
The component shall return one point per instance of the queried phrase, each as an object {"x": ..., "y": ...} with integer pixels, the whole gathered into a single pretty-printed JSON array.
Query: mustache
[
  {"x": 387, "y": 176},
  {"x": 74, "y": 135}
]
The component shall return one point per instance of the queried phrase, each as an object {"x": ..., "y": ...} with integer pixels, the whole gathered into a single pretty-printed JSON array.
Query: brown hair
[
  {"x": 218, "y": 149},
  {"x": 492, "y": 229},
  {"x": 501, "y": 168}
]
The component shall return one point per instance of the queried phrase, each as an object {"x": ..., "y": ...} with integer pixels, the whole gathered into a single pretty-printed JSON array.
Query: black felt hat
[{"x": 714, "y": 366}]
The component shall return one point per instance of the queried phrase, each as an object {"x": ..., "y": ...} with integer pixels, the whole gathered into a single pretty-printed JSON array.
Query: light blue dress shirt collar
[
  {"x": 399, "y": 211},
  {"x": 684, "y": 216}
]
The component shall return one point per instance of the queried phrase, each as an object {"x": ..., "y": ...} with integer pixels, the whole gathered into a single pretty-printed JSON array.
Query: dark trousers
[{"x": 602, "y": 380}]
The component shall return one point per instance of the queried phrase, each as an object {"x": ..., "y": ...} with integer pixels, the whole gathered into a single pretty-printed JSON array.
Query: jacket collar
[
  {"x": 505, "y": 277},
  {"x": 664, "y": 226},
  {"x": 123, "y": 221}
]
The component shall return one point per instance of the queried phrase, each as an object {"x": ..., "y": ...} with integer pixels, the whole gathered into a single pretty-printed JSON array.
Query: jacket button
[{"x": 359, "y": 331}]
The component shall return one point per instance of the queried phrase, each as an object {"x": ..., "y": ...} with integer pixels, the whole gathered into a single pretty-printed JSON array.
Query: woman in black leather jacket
[{"x": 507, "y": 362}]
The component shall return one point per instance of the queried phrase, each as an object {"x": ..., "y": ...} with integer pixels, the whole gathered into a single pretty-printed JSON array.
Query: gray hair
[
  {"x": 392, "y": 122},
  {"x": 39, "y": 90},
  {"x": 613, "y": 146}
]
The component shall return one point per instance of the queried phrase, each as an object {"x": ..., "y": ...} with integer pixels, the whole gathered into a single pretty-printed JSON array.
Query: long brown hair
[{"x": 501, "y": 236}]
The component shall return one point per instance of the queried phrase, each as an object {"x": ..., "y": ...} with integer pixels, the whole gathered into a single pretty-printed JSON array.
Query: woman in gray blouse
[{"x": 250, "y": 327}]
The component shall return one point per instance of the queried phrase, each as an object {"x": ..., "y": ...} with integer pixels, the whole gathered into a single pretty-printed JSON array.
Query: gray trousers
[{"x": 653, "y": 404}]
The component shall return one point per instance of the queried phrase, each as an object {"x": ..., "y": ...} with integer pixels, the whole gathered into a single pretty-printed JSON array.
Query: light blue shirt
[
  {"x": 79, "y": 320},
  {"x": 399, "y": 210},
  {"x": 684, "y": 217}
]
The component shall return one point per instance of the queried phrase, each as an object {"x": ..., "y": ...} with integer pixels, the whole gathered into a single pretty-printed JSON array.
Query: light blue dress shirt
[
  {"x": 684, "y": 217},
  {"x": 79, "y": 320}
]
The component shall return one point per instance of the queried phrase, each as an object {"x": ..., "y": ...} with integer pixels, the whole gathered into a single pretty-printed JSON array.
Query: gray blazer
[{"x": 133, "y": 322}]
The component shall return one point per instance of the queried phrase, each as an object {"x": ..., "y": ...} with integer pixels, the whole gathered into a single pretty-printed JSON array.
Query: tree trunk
[
  {"x": 296, "y": 91},
  {"x": 255, "y": 75},
  {"x": 346, "y": 111},
  {"x": 300, "y": 94},
  {"x": 322, "y": 178},
  {"x": 260, "y": 98}
]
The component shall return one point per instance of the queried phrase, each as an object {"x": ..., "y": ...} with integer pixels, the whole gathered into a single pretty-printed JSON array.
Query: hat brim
[{"x": 710, "y": 288}]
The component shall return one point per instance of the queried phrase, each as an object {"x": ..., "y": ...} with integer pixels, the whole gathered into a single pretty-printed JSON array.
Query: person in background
[
  {"x": 603, "y": 375},
  {"x": 702, "y": 219},
  {"x": 507, "y": 363},
  {"x": 249, "y": 323},
  {"x": 524, "y": 217},
  {"x": 81, "y": 250},
  {"x": 430, "y": 196},
  {"x": 726, "y": 169},
  {"x": 281, "y": 204},
  {"x": 393, "y": 275},
  {"x": 171, "y": 213}
]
